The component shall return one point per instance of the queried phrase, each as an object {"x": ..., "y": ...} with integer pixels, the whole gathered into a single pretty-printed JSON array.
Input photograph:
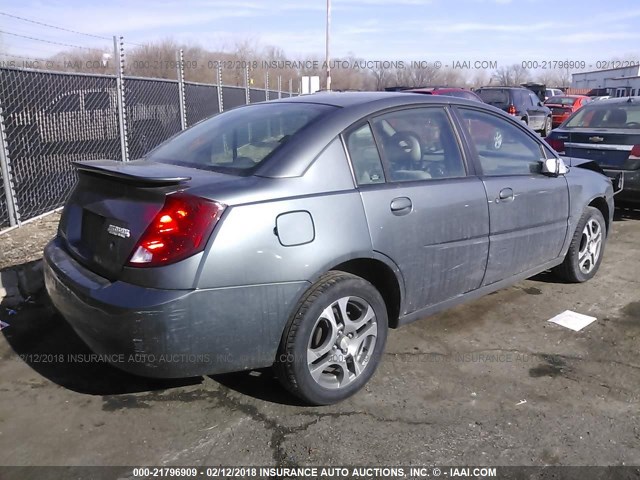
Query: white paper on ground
[{"x": 573, "y": 320}]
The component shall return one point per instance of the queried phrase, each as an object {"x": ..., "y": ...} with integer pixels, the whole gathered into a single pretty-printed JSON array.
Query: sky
[{"x": 504, "y": 31}]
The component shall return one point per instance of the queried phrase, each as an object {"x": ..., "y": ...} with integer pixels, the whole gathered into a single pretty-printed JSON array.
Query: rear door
[
  {"x": 528, "y": 211},
  {"x": 424, "y": 212}
]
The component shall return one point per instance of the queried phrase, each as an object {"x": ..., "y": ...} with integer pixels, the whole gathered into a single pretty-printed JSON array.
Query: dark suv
[{"x": 521, "y": 103}]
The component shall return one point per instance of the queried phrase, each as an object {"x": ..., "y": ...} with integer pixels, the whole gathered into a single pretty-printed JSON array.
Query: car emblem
[
  {"x": 119, "y": 231},
  {"x": 596, "y": 139}
]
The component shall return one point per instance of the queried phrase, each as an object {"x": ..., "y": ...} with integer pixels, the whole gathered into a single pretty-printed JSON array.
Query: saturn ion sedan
[{"x": 294, "y": 233}]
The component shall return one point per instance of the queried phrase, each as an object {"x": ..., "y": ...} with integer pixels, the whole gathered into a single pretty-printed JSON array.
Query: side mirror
[{"x": 554, "y": 167}]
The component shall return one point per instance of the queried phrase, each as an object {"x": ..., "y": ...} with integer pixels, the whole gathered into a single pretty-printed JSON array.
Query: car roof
[
  {"x": 374, "y": 99},
  {"x": 504, "y": 88},
  {"x": 436, "y": 90},
  {"x": 609, "y": 101}
]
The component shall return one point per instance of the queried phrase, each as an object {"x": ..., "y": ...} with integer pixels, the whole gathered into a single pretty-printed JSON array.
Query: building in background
[{"x": 616, "y": 82}]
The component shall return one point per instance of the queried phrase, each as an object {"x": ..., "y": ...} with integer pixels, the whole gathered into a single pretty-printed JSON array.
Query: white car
[{"x": 552, "y": 92}]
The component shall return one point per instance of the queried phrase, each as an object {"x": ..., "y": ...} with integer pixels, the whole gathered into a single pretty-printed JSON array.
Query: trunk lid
[
  {"x": 610, "y": 148},
  {"x": 113, "y": 203}
]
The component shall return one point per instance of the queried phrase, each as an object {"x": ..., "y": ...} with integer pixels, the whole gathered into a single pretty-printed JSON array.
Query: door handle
[
  {"x": 401, "y": 205},
  {"x": 505, "y": 194}
]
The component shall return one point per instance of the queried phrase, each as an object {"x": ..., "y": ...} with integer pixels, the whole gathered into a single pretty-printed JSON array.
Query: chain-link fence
[
  {"x": 51, "y": 119},
  {"x": 152, "y": 112},
  {"x": 201, "y": 101},
  {"x": 4, "y": 211}
]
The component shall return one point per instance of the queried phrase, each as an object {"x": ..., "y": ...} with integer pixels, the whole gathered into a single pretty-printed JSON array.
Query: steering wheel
[
  {"x": 409, "y": 144},
  {"x": 633, "y": 124}
]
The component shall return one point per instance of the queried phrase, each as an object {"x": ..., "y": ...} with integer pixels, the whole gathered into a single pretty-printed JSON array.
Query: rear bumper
[
  {"x": 631, "y": 190},
  {"x": 170, "y": 333}
]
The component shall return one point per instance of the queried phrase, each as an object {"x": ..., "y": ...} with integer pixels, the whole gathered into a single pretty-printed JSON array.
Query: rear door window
[
  {"x": 418, "y": 144},
  {"x": 364, "y": 155}
]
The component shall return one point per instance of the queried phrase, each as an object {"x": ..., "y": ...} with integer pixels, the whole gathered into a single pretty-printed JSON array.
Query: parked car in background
[
  {"x": 522, "y": 103},
  {"x": 229, "y": 247},
  {"x": 601, "y": 97},
  {"x": 564, "y": 105},
  {"x": 552, "y": 92},
  {"x": 607, "y": 132}
]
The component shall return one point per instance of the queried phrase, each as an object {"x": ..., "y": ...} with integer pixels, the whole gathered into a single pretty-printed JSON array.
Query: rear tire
[
  {"x": 586, "y": 250},
  {"x": 333, "y": 343}
]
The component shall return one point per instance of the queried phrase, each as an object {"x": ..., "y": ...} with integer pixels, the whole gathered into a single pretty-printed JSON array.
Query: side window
[
  {"x": 418, "y": 144},
  {"x": 96, "y": 101},
  {"x": 68, "y": 103},
  {"x": 364, "y": 156},
  {"x": 534, "y": 99},
  {"x": 517, "y": 153}
]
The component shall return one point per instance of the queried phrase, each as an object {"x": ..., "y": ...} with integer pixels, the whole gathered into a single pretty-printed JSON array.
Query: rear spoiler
[{"x": 140, "y": 173}]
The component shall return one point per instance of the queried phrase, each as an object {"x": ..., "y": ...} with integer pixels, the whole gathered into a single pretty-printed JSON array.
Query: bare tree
[{"x": 513, "y": 75}]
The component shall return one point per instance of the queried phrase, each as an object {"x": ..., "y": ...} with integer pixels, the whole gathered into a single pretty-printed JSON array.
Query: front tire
[
  {"x": 586, "y": 250},
  {"x": 333, "y": 343}
]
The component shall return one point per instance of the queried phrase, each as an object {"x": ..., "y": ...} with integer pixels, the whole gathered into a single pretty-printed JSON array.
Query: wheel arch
[
  {"x": 383, "y": 277},
  {"x": 601, "y": 204}
]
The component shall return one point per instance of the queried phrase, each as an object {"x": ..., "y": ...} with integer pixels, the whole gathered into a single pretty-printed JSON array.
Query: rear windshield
[
  {"x": 494, "y": 96},
  {"x": 236, "y": 141},
  {"x": 569, "y": 101},
  {"x": 601, "y": 115}
]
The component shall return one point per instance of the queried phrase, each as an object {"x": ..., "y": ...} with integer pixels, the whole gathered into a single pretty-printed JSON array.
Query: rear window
[
  {"x": 494, "y": 96},
  {"x": 236, "y": 141},
  {"x": 568, "y": 101},
  {"x": 599, "y": 115}
]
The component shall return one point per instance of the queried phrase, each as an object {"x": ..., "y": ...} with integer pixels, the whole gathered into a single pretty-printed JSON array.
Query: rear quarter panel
[{"x": 246, "y": 250}]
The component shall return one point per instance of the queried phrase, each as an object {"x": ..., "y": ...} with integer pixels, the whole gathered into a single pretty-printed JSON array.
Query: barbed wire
[
  {"x": 36, "y": 22},
  {"x": 52, "y": 26},
  {"x": 46, "y": 41}
]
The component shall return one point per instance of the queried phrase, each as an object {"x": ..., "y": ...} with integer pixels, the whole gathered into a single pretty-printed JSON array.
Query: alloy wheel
[{"x": 342, "y": 342}]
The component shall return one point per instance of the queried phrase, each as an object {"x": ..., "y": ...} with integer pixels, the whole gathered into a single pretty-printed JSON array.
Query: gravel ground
[{"x": 25, "y": 244}]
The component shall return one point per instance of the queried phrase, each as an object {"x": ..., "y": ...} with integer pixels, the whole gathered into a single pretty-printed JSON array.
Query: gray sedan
[{"x": 294, "y": 233}]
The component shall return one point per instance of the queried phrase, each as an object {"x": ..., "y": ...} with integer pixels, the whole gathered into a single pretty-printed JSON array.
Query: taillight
[
  {"x": 635, "y": 152},
  {"x": 557, "y": 145},
  {"x": 511, "y": 110},
  {"x": 178, "y": 231}
]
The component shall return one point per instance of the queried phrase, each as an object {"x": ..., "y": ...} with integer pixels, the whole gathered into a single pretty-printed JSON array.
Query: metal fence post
[
  {"x": 247, "y": 91},
  {"x": 219, "y": 80},
  {"x": 279, "y": 86},
  {"x": 291, "y": 87},
  {"x": 118, "y": 51},
  {"x": 180, "y": 72},
  {"x": 266, "y": 86},
  {"x": 7, "y": 178}
]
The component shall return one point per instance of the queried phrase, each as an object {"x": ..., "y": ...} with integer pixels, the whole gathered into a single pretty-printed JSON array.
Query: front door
[{"x": 528, "y": 211}]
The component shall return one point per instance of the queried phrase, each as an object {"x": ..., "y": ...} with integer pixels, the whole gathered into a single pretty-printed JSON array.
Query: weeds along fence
[{"x": 49, "y": 119}]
